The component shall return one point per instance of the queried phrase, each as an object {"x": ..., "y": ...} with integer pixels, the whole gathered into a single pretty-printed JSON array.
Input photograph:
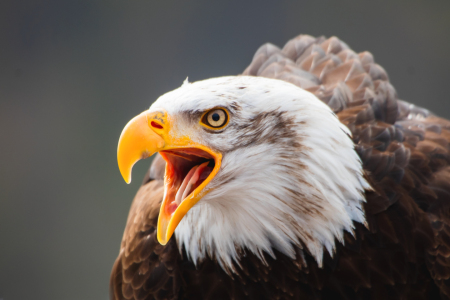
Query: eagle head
[{"x": 252, "y": 164}]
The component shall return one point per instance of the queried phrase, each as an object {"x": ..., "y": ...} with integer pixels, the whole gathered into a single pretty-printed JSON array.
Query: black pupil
[{"x": 215, "y": 117}]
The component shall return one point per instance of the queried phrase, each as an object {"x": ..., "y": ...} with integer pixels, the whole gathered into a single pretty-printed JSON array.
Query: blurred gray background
[{"x": 72, "y": 73}]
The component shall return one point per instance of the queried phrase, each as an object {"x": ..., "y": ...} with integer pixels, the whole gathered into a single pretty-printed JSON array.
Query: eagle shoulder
[{"x": 405, "y": 153}]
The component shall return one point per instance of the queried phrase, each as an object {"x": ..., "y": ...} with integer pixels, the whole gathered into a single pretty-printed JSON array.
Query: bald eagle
[{"x": 303, "y": 178}]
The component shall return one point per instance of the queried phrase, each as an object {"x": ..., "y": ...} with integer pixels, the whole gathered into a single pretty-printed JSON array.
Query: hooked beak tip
[{"x": 137, "y": 141}]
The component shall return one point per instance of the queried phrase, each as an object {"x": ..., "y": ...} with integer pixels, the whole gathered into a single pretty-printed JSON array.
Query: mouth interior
[{"x": 186, "y": 169}]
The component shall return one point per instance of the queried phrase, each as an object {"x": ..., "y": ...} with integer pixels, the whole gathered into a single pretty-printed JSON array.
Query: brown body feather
[{"x": 403, "y": 254}]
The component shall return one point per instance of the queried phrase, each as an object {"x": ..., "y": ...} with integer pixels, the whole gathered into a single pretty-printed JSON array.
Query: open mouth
[
  {"x": 190, "y": 166},
  {"x": 186, "y": 170}
]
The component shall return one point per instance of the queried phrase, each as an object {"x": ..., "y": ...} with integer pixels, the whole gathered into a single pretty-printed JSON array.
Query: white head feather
[{"x": 289, "y": 176}]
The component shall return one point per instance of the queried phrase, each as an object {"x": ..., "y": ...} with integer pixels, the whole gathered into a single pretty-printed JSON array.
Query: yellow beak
[
  {"x": 137, "y": 141},
  {"x": 151, "y": 132}
]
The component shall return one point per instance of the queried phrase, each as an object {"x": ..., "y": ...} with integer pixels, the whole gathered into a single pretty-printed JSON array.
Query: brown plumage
[{"x": 403, "y": 254}]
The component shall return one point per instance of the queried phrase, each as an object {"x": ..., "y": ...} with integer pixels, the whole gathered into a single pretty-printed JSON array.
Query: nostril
[{"x": 156, "y": 125}]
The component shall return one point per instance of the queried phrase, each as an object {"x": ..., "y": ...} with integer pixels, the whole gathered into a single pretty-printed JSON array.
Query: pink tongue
[
  {"x": 184, "y": 184},
  {"x": 189, "y": 182}
]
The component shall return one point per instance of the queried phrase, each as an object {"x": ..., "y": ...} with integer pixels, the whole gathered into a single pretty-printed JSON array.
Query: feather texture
[{"x": 404, "y": 251}]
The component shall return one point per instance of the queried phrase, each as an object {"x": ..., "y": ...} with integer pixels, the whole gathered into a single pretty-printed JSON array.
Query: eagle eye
[{"x": 216, "y": 118}]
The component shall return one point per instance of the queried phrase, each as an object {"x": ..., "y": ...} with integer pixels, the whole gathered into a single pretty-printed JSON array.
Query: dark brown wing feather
[{"x": 405, "y": 252}]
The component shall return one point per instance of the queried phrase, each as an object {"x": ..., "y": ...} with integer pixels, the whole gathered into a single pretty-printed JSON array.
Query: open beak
[{"x": 190, "y": 166}]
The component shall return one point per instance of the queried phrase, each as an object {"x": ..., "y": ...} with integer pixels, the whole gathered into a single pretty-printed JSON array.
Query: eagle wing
[{"x": 405, "y": 153}]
